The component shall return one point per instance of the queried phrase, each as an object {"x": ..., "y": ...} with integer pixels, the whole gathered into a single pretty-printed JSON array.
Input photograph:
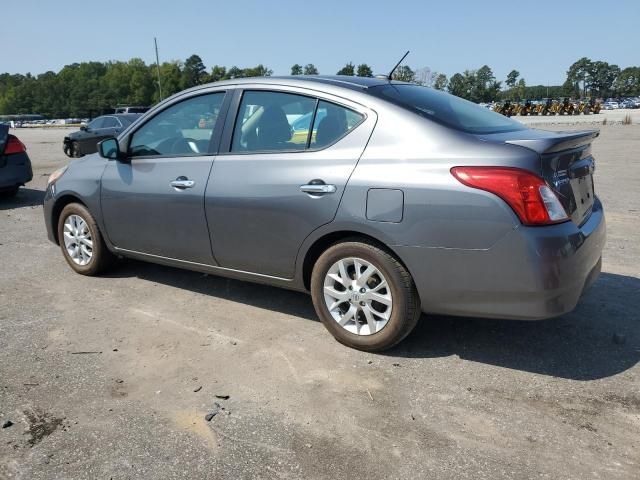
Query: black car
[
  {"x": 15, "y": 166},
  {"x": 85, "y": 140}
]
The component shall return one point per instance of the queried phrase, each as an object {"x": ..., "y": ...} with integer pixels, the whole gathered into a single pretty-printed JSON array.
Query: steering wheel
[{"x": 184, "y": 145}]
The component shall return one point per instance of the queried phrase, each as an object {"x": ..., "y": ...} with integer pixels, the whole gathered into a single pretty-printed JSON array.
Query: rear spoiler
[{"x": 558, "y": 143}]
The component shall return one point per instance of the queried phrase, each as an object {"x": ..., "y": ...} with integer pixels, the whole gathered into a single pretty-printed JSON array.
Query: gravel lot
[{"x": 98, "y": 375}]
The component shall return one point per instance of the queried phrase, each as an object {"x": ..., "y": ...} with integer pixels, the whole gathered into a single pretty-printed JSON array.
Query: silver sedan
[{"x": 382, "y": 199}]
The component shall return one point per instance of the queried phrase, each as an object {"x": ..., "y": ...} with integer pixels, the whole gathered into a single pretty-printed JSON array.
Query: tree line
[{"x": 90, "y": 88}]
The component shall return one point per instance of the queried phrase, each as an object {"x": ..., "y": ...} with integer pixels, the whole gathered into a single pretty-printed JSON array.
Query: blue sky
[{"x": 540, "y": 38}]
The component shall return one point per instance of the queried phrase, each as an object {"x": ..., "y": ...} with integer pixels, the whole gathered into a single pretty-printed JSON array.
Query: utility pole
[{"x": 158, "y": 68}]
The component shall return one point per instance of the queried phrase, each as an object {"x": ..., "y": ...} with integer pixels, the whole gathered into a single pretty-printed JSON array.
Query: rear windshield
[{"x": 446, "y": 109}]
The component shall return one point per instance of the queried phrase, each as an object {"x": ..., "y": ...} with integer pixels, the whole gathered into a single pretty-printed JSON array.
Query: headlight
[{"x": 56, "y": 175}]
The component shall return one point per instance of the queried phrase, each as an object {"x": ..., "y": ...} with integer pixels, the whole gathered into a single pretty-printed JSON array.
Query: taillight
[
  {"x": 14, "y": 145},
  {"x": 527, "y": 194}
]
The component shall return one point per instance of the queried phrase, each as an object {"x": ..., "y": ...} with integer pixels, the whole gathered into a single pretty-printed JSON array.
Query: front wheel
[
  {"x": 75, "y": 150},
  {"x": 81, "y": 241},
  {"x": 364, "y": 296}
]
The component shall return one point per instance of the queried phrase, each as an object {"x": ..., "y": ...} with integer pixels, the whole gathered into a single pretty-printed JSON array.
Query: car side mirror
[
  {"x": 84, "y": 128},
  {"x": 110, "y": 149}
]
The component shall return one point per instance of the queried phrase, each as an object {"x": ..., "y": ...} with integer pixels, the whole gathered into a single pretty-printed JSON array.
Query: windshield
[{"x": 446, "y": 109}]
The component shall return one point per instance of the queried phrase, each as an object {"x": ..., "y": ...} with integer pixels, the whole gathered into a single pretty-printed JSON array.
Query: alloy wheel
[
  {"x": 358, "y": 296},
  {"x": 77, "y": 240}
]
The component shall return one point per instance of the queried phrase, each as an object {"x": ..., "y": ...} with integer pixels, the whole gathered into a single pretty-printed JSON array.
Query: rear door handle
[
  {"x": 318, "y": 188},
  {"x": 182, "y": 183}
]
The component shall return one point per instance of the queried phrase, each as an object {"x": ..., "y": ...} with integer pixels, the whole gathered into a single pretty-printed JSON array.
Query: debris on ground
[
  {"x": 197, "y": 389},
  {"x": 7, "y": 424},
  {"x": 216, "y": 410},
  {"x": 223, "y": 397}
]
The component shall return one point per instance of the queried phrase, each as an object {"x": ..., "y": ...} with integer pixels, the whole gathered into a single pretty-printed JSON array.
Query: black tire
[
  {"x": 9, "y": 192},
  {"x": 406, "y": 303},
  {"x": 101, "y": 258}
]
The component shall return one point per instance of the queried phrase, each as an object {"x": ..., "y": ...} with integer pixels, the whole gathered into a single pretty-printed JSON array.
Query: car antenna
[{"x": 390, "y": 76}]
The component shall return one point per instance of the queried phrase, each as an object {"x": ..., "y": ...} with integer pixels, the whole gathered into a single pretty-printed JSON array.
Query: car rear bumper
[
  {"x": 532, "y": 273},
  {"x": 15, "y": 170}
]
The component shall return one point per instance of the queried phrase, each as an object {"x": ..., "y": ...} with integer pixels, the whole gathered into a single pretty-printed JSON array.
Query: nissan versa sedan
[{"x": 397, "y": 199}]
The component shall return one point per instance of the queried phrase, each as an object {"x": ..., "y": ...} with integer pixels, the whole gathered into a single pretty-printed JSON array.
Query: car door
[
  {"x": 153, "y": 203},
  {"x": 271, "y": 185}
]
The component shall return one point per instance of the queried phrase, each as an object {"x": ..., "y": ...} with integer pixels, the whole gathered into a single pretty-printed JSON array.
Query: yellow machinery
[
  {"x": 566, "y": 107},
  {"x": 548, "y": 107}
]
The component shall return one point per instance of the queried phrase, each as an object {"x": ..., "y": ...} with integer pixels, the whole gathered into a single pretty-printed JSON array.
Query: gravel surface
[{"x": 112, "y": 377}]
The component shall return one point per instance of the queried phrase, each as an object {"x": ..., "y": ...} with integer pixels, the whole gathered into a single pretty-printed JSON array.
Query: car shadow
[
  {"x": 26, "y": 197},
  {"x": 599, "y": 339},
  {"x": 254, "y": 294}
]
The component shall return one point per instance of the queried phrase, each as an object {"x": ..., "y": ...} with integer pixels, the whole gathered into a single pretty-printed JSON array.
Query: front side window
[
  {"x": 184, "y": 128},
  {"x": 446, "y": 109},
  {"x": 96, "y": 123},
  {"x": 266, "y": 120}
]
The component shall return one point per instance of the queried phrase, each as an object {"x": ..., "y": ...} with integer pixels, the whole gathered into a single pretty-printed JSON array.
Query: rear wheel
[
  {"x": 364, "y": 296},
  {"x": 81, "y": 241}
]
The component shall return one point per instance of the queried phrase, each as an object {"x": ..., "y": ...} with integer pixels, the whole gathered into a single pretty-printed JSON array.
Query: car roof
[
  {"x": 127, "y": 116},
  {"x": 344, "y": 81}
]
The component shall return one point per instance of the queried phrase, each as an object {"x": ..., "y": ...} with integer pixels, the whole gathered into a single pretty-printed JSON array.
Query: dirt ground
[{"x": 99, "y": 375}]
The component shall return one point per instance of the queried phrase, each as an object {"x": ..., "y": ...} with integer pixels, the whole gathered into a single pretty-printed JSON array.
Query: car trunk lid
[{"x": 566, "y": 163}]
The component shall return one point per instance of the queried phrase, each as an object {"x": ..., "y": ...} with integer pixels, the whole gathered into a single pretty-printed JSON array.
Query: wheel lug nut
[
  {"x": 350, "y": 287},
  {"x": 362, "y": 290},
  {"x": 362, "y": 304}
]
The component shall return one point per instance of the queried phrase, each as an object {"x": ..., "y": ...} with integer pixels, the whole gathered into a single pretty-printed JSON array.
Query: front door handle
[
  {"x": 318, "y": 189},
  {"x": 182, "y": 183}
]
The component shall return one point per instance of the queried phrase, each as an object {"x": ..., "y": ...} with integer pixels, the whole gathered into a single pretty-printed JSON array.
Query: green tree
[
  {"x": 579, "y": 72},
  {"x": 257, "y": 71},
  {"x": 296, "y": 69},
  {"x": 170, "y": 77},
  {"x": 349, "y": 69},
  {"x": 218, "y": 73},
  {"x": 600, "y": 78},
  {"x": 404, "y": 74},
  {"x": 628, "y": 82},
  {"x": 364, "y": 70},
  {"x": 194, "y": 72},
  {"x": 310, "y": 69},
  {"x": 485, "y": 88},
  {"x": 512, "y": 78},
  {"x": 439, "y": 81},
  {"x": 458, "y": 86}
]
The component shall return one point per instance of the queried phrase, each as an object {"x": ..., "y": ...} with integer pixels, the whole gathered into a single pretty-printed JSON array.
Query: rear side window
[
  {"x": 266, "y": 122},
  {"x": 331, "y": 123},
  {"x": 275, "y": 121},
  {"x": 184, "y": 128},
  {"x": 446, "y": 109}
]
